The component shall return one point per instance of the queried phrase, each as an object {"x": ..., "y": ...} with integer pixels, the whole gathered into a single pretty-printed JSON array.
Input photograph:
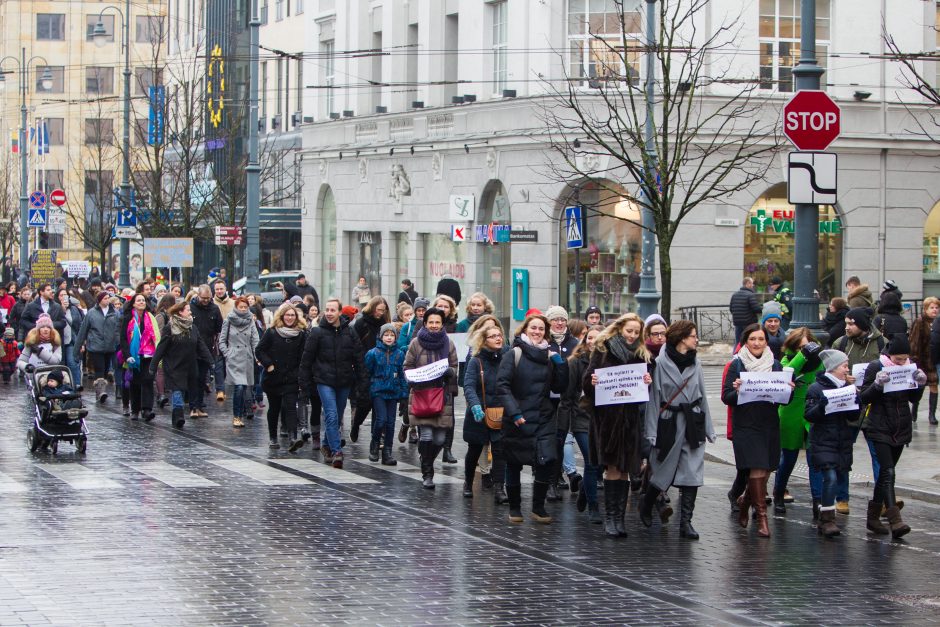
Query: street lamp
[
  {"x": 100, "y": 36},
  {"x": 253, "y": 168},
  {"x": 46, "y": 82}
]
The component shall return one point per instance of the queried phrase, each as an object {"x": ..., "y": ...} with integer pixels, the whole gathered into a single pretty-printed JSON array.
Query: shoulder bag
[{"x": 492, "y": 415}]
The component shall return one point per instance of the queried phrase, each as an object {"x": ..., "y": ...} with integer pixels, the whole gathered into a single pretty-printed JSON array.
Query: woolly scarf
[
  {"x": 619, "y": 348},
  {"x": 764, "y": 363},
  {"x": 559, "y": 337},
  {"x": 682, "y": 361},
  {"x": 887, "y": 363},
  {"x": 180, "y": 325},
  {"x": 287, "y": 332},
  {"x": 434, "y": 341},
  {"x": 654, "y": 348},
  {"x": 238, "y": 319},
  {"x": 525, "y": 339}
]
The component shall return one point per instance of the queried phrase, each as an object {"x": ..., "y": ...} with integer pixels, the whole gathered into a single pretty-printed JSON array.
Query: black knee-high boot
[
  {"x": 737, "y": 489},
  {"x": 514, "y": 493},
  {"x": 932, "y": 409},
  {"x": 425, "y": 450},
  {"x": 539, "y": 490},
  {"x": 686, "y": 507},
  {"x": 646, "y": 505}
]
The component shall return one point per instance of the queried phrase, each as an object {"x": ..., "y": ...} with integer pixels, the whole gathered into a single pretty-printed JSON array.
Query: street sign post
[
  {"x": 229, "y": 236},
  {"x": 57, "y": 197},
  {"x": 812, "y": 120},
  {"x": 574, "y": 227},
  {"x": 811, "y": 178}
]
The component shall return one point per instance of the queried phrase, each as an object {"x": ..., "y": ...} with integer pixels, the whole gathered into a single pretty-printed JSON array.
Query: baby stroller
[{"x": 61, "y": 418}]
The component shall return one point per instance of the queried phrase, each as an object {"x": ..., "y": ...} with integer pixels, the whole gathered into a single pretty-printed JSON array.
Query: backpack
[{"x": 843, "y": 342}]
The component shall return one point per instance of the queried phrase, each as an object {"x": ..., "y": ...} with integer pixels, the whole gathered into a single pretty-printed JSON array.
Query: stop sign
[
  {"x": 57, "y": 197},
  {"x": 811, "y": 120}
]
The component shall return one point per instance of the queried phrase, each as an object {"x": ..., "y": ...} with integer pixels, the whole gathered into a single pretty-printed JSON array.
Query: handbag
[
  {"x": 492, "y": 415},
  {"x": 427, "y": 402}
]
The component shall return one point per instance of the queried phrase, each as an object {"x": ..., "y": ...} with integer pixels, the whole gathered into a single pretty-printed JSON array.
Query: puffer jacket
[
  {"x": 100, "y": 331},
  {"x": 208, "y": 320},
  {"x": 889, "y": 320},
  {"x": 831, "y": 436},
  {"x": 745, "y": 307},
  {"x": 386, "y": 377},
  {"x": 573, "y": 414},
  {"x": 477, "y": 432},
  {"x": 332, "y": 356},
  {"x": 888, "y": 415}
]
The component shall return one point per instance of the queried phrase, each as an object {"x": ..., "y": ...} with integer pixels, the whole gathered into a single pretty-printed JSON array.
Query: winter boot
[
  {"x": 514, "y": 495},
  {"x": 387, "y": 458},
  {"x": 932, "y": 409},
  {"x": 553, "y": 495},
  {"x": 448, "y": 457},
  {"x": 611, "y": 507},
  {"x": 758, "y": 489},
  {"x": 178, "y": 420},
  {"x": 734, "y": 502},
  {"x": 499, "y": 493},
  {"x": 744, "y": 504},
  {"x": 816, "y": 505},
  {"x": 622, "y": 496},
  {"x": 646, "y": 505},
  {"x": 373, "y": 449},
  {"x": 686, "y": 507},
  {"x": 779, "y": 504},
  {"x": 468, "y": 488},
  {"x": 581, "y": 501},
  {"x": 594, "y": 514},
  {"x": 873, "y": 522},
  {"x": 427, "y": 465},
  {"x": 101, "y": 390},
  {"x": 539, "y": 490},
  {"x": 827, "y": 522},
  {"x": 664, "y": 510},
  {"x": 898, "y": 526}
]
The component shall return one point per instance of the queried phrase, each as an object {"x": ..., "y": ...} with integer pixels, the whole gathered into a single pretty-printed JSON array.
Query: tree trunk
[{"x": 665, "y": 277}]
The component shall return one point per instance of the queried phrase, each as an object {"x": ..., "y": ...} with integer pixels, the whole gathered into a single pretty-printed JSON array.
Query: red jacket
[{"x": 12, "y": 351}]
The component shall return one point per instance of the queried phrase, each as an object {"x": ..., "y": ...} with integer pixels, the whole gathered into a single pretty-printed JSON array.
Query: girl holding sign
[
  {"x": 616, "y": 429},
  {"x": 887, "y": 424},
  {"x": 756, "y": 425}
]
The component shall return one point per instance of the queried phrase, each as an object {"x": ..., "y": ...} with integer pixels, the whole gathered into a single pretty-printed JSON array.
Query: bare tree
[
  {"x": 711, "y": 137},
  {"x": 912, "y": 77},
  {"x": 9, "y": 206}
]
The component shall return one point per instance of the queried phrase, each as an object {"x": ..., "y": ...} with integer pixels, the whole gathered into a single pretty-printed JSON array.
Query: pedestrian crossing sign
[
  {"x": 37, "y": 218},
  {"x": 574, "y": 227}
]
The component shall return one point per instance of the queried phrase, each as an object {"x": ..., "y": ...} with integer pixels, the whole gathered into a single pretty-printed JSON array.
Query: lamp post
[
  {"x": 648, "y": 297},
  {"x": 46, "y": 83},
  {"x": 100, "y": 36},
  {"x": 253, "y": 169}
]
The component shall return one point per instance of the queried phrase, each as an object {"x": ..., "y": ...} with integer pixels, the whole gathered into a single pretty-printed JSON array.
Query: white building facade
[{"x": 428, "y": 129}]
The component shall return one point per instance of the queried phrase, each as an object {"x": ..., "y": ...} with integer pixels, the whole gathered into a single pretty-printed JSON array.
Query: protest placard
[
  {"x": 858, "y": 371},
  {"x": 841, "y": 399},
  {"x": 433, "y": 370},
  {"x": 902, "y": 378},
  {"x": 621, "y": 384},
  {"x": 769, "y": 387}
]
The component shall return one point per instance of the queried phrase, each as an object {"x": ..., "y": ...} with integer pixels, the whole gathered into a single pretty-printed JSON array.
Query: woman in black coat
[
  {"x": 481, "y": 391},
  {"x": 889, "y": 319},
  {"x": 178, "y": 352},
  {"x": 367, "y": 327},
  {"x": 280, "y": 351},
  {"x": 527, "y": 376},
  {"x": 831, "y": 437},
  {"x": 834, "y": 322},
  {"x": 887, "y": 424},
  {"x": 616, "y": 431},
  {"x": 756, "y": 425},
  {"x": 448, "y": 305}
]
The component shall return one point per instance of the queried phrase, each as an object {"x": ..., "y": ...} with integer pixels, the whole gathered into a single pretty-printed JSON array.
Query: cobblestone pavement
[{"x": 205, "y": 526}]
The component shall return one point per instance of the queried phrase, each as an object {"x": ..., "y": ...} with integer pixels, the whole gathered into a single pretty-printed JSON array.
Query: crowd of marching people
[{"x": 531, "y": 393}]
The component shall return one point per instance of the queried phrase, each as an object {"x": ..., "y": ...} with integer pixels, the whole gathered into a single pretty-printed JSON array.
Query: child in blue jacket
[{"x": 386, "y": 386}]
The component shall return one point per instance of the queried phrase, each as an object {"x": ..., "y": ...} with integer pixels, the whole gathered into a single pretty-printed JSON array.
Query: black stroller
[{"x": 61, "y": 418}]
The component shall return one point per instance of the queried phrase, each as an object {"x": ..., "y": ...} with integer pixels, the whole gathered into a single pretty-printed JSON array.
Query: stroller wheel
[
  {"x": 32, "y": 440},
  {"x": 81, "y": 444}
]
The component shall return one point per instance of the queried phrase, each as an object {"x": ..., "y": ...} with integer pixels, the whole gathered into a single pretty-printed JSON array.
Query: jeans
[
  {"x": 242, "y": 401},
  {"x": 259, "y": 377},
  {"x": 383, "y": 419},
  {"x": 176, "y": 398},
  {"x": 567, "y": 460},
  {"x": 788, "y": 459},
  {"x": 816, "y": 482},
  {"x": 842, "y": 492},
  {"x": 591, "y": 471},
  {"x": 73, "y": 364},
  {"x": 219, "y": 373},
  {"x": 334, "y": 406},
  {"x": 197, "y": 399},
  {"x": 829, "y": 486}
]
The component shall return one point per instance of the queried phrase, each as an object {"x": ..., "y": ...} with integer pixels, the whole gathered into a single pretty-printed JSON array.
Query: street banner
[
  {"x": 768, "y": 387},
  {"x": 621, "y": 384},
  {"x": 841, "y": 399},
  {"x": 168, "y": 252},
  {"x": 432, "y": 371},
  {"x": 902, "y": 378}
]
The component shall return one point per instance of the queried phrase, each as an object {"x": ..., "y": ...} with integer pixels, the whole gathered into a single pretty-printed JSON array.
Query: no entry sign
[
  {"x": 57, "y": 197},
  {"x": 811, "y": 120}
]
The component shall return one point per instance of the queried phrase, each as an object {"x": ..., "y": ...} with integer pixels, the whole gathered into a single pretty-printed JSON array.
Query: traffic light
[{"x": 43, "y": 239}]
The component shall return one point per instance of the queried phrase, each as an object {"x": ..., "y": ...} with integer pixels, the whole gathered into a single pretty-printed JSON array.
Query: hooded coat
[
  {"x": 237, "y": 343},
  {"x": 100, "y": 331},
  {"x": 889, "y": 320},
  {"x": 793, "y": 426},
  {"x": 831, "y": 437},
  {"x": 860, "y": 297},
  {"x": 477, "y": 432},
  {"x": 285, "y": 354}
]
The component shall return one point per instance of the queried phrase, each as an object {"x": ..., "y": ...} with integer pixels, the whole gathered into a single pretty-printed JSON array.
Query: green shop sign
[{"x": 781, "y": 221}]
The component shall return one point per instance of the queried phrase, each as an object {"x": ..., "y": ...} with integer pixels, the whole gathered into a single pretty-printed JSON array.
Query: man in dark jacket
[
  {"x": 745, "y": 307},
  {"x": 207, "y": 318},
  {"x": 44, "y": 304},
  {"x": 408, "y": 293},
  {"x": 332, "y": 361},
  {"x": 302, "y": 288}
]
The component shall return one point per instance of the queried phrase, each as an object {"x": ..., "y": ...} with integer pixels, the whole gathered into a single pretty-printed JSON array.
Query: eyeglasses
[
  {"x": 494, "y": 336},
  {"x": 658, "y": 334}
]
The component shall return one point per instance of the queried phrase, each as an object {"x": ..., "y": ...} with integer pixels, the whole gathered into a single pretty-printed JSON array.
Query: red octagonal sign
[
  {"x": 57, "y": 197},
  {"x": 811, "y": 120}
]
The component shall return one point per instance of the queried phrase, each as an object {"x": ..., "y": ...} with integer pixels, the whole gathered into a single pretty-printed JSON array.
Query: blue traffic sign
[
  {"x": 574, "y": 227},
  {"x": 127, "y": 217},
  {"x": 37, "y": 218},
  {"x": 37, "y": 200}
]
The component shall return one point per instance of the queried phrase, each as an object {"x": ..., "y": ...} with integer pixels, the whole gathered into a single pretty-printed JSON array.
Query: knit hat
[
  {"x": 888, "y": 286},
  {"x": 9, "y": 333},
  {"x": 296, "y": 299},
  {"x": 44, "y": 321},
  {"x": 556, "y": 311},
  {"x": 898, "y": 345},
  {"x": 832, "y": 359},
  {"x": 533, "y": 312},
  {"x": 593, "y": 309},
  {"x": 56, "y": 375},
  {"x": 859, "y": 316},
  {"x": 388, "y": 326},
  {"x": 421, "y": 301},
  {"x": 654, "y": 319},
  {"x": 102, "y": 295},
  {"x": 349, "y": 311},
  {"x": 771, "y": 309},
  {"x": 159, "y": 289}
]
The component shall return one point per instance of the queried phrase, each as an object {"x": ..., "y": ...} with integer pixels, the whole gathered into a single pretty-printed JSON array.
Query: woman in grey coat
[
  {"x": 99, "y": 337},
  {"x": 237, "y": 342},
  {"x": 677, "y": 425}
]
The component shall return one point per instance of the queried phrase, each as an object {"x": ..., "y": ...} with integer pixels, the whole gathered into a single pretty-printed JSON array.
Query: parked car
[{"x": 270, "y": 286}]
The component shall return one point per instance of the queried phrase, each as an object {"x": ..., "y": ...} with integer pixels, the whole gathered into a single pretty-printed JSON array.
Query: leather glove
[
  {"x": 557, "y": 359},
  {"x": 920, "y": 377},
  {"x": 881, "y": 378},
  {"x": 811, "y": 353},
  {"x": 477, "y": 412}
]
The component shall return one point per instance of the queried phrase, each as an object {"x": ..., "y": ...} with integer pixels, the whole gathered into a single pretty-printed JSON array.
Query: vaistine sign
[{"x": 781, "y": 221}]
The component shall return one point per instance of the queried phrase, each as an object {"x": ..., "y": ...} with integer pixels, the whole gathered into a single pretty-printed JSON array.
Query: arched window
[
  {"x": 495, "y": 258},
  {"x": 932, "y": 252},
  {"x": 327, "y": 211}
]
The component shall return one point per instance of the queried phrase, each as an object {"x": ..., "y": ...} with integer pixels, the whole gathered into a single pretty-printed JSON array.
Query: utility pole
[
  {"x": 24, "y": 167},
  {"x": 125, "y": 280},
  {"x": 253, "y": 169},
  {"x": 806, "y": 217},
  {"x": 648, "y": 297}
]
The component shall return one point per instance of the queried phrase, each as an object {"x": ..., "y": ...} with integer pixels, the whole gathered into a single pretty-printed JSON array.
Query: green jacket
[{"x": 793, "y": 426}]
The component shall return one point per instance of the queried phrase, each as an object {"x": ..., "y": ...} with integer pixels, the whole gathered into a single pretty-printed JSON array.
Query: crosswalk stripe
[
  {"x": 80, "y": 477},
  {"x": 412, "y": 472},
  {"x": 171, "y": 475},
  {"x": 8, "y": 485},
  {"x": 321, "y": 470},
  {"x": 261, "y": 473}
]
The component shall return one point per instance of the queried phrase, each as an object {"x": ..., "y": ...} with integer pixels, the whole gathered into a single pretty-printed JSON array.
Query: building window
[
  {"x": 58, "y": 79},
  {"x": 327, "y": 51},
  {"x": 299, "y": 7},
  {"x": 98, "y": 186},
  {"x": 50, "y": 26},
  {"x": 780, "y": 32},
  {"x": 595, "y": 42},
  {"x": 263, "y": 17},
  {"x": 500, "y": 44},
  {"x": 141, "y": 127},
  {"x": 279, "y": 83},
  {"x": 55, "y": 127},
  {"x": 106, "y": 20},
  {"x": 278, "y": 10},
  {"x": 99, "y": 80},
  {"x": 99, "y": 131},
  {"x": 149, "y": 29},
  {"x": 144, "y": 79}
]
